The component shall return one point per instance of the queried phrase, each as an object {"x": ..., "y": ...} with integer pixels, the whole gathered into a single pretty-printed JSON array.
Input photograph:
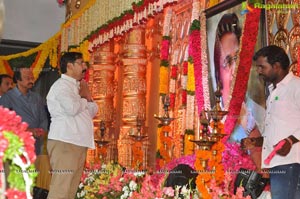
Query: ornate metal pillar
[
  {"x": 133, "y": 96},
  {"x": 103, "y": 90}
]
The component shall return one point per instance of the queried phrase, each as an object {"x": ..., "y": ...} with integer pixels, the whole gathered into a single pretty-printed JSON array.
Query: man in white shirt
[
  {"x": 71, "y": 130},
  {"x": 282, "y": 123}
]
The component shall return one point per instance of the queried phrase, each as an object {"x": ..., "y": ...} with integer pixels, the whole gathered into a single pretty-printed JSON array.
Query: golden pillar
[
  {"x": 103, "y": 91},
  {"x": 133, "y": 95}
]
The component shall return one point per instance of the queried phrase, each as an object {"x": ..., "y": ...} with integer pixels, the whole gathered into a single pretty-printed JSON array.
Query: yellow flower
[
  {"x": 191, "y": 77},
  {"x": 163, "y": 81}
]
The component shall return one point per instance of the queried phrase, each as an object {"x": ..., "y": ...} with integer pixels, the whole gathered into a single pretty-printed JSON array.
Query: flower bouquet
[{"x": 17, "y": 148}]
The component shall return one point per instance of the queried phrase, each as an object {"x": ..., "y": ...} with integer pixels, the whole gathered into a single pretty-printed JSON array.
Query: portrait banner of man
[{"x": 224, "y": 45}]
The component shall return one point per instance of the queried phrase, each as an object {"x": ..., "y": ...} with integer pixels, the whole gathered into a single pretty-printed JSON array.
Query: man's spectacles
[
  {"x": 229, "y": 59},
  {"x": 79, "y": 62}
]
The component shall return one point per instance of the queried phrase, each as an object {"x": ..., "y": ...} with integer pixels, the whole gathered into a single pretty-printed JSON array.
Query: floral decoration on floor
[{"x": 112, "y": 181}]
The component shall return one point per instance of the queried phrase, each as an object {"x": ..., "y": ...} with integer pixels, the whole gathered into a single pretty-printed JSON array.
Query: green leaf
[
  {"x": 158, "y": 154},
  {"x": 14, "y": 147},
  {"x": 22, "y": 61},
  {"x": 189, "y": 132},
  {"x": 166, "y": 38},
  {"x": 164, "y": 63},
  {"x": 195, "y": 25},
  {"x": 15, "y": 178}
]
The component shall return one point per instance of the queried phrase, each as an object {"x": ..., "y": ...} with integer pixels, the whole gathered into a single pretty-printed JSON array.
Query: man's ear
[
  {"x": 69, "y": 67},
  {"x": 277, "y": 66}
]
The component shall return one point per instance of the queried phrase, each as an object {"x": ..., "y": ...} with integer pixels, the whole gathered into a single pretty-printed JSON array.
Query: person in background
[
  {"x": 27, "y": 104},
  {"x": 30, "y": 107},
  {"x": 6, "y": 83},
  {"x": 71, "y": 132},
  {"x": 281, "y": 123}
]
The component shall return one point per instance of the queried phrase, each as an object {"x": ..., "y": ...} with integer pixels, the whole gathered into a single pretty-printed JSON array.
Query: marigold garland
[
  {"x": 45, "y": 50},
  {"x": 166, "y": 143},
  {"x": 203, "y": 175},
  {"x": 188, "y": 145},
  {"x": 163, "y": 80},
  {"x": 137, "y": 155},
  {"x": 191, "y": 77}
]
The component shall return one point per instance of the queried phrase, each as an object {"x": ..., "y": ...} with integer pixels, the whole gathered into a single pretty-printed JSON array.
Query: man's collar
[
  {"x": 283, "y": 82},
  {"x": 71, "y": 79}
]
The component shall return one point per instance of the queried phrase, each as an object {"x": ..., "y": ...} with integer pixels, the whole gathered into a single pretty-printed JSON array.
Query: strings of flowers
[
  {"x": 248, "y": 41},
  {"x": 204, "y": 61},
  {"x": 172, "y": 93},
  {"x": 163, "y": 89},
  {"x": 188, "y": 145},
  {"x": 137, "y": 155},
  {"x": 17, "y": 145},
  {"x": 190, "y": 106},
  {"x": 195, "y": 53},
  {"x": 165, "y": 146},
  {"x": 208, "y": 164},
  {"x": 202, "y": 157},
  {"x": 184, "y": 83},
  {"x": 120, "y": 24},
  {"x": 190, "y": 95},
  {"x": 298, "y": 63},
  {"x": 43, "y": 52}
]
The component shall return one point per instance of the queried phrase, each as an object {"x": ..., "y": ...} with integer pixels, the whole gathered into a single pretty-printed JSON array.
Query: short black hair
[
  {"x": 229, "y": 23},
  {"x": 68, "y": 57},
  {"x": 274, "y": 54},
  {"x": 2, "y": 76},
  {"x": 17, "y": 73}
]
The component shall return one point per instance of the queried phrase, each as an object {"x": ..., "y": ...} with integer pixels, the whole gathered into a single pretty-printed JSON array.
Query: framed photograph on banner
[{"x": 225, "y": 23}]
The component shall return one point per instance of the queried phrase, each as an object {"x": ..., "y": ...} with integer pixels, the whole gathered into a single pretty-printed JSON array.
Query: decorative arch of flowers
[{"x": 17, "y": 148}]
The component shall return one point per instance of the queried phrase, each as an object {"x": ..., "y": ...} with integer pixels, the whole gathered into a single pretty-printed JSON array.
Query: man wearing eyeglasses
[{"x": 71, "y": 130}]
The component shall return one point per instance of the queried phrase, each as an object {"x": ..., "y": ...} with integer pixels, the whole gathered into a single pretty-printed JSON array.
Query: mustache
[{"x": 84, "y": 71}]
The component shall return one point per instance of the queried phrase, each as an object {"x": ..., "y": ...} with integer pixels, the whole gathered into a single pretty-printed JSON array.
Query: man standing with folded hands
[{"x": 71, "y": 129}]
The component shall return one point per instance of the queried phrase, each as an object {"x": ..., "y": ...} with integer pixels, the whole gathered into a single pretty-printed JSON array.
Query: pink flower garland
[
  {"x": 247, "y": 49},
  {"x": 164, "y": 52},
  {"x": 195, "y": 53}
]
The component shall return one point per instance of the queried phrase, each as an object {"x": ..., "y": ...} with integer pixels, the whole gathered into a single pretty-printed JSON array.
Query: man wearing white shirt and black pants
[
  {"x": 282, "y": 123},
  {"x": 71, "y": 130}
]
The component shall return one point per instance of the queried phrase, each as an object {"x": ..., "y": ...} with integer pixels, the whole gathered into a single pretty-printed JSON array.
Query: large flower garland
[
  {"x": 120, "y": 24},
  {"x": 248, "y": 42},
  {"x": 43, "y": 51},
  {"x": 164, "y": 142},
  {"x": 17, "y": 145},
  {"x": 165, "y": 145},
  {"x": 209, "y": 166},
  {"x": 204, "y": 61},
  {"x": 195, "y": 53}
]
